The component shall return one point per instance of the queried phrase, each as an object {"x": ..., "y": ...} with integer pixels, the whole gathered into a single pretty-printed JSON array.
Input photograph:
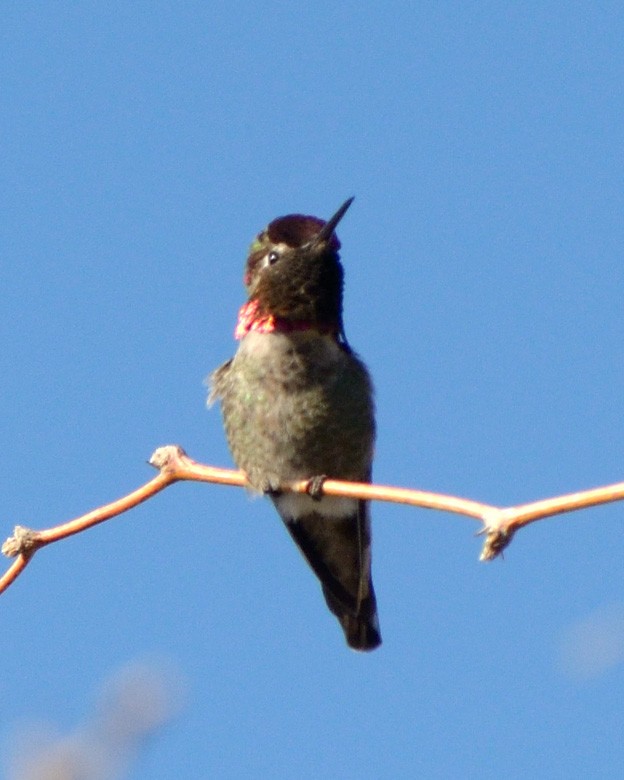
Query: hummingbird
[{"x": 297, "y": 403}]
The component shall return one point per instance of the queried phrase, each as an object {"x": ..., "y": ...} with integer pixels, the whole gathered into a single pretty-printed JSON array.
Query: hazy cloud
[{"x": 594, "y": 645}]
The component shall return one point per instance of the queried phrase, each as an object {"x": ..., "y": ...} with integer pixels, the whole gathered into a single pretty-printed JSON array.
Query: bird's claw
[{"x": 314, "y": 488}]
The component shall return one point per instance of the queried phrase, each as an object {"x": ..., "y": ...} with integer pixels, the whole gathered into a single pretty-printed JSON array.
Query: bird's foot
[{"x": 314, "y": 488}]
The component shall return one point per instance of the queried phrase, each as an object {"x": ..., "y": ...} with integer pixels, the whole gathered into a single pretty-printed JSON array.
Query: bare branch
[
  {"x": 174, "y": 465},
  {"x": 503, "y": 524}
]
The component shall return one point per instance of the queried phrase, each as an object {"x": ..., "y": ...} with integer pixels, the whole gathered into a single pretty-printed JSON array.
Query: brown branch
[{"x": 174, "y": 465}]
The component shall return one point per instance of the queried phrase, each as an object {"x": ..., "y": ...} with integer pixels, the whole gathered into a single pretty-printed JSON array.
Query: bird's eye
[{"x": 273, "y": 258}]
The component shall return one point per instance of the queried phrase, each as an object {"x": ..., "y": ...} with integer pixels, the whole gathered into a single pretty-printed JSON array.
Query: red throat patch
[{"x": 250, "y": 320}]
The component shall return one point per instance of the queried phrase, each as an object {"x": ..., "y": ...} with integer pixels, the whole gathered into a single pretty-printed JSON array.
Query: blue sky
[{"x": 143, "y": 146}]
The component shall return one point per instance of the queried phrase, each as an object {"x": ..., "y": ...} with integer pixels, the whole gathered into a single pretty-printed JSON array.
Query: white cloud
[{"x": 594, "y": 645}]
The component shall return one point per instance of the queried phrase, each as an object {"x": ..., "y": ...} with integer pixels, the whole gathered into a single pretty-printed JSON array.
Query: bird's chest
[
  {"x": 282, "y": 377},
  {"x": 296, "y": 406}
]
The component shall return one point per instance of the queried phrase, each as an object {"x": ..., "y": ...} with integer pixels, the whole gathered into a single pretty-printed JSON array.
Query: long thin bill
[{"x": 329, "y": 227}]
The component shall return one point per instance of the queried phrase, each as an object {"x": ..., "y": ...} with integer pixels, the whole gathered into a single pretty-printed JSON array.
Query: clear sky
[{"x": 142, "y": 147}]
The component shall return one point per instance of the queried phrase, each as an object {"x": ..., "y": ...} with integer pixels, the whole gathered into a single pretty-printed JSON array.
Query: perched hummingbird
[{"x": 297, "y": 403}]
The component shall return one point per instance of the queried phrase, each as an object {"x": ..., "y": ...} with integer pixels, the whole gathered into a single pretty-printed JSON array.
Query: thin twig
[
  {"x": 184, "y": 468},
  {"x": 14, "y": 571},
  {"x": 174, "y": 465},
  {"x": 503, "y": 524}
]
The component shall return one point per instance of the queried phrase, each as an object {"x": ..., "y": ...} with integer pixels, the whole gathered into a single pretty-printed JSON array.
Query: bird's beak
[{"x": 328, "y": 228}]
